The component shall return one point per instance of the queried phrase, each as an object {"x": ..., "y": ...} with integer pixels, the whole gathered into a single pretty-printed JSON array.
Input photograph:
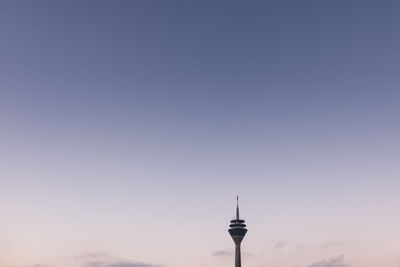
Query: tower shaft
[{"x": 238, "y": 260}]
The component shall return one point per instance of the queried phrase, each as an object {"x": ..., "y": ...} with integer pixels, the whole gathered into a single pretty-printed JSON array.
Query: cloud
[
  {"x": 335, "y": 262},
  {"x": 94, "y": 259},
  {"x": 103, "y": 259},
  {"x": 131, "y": 264},
  {"x": 229, "y": 253},
  {"x": 331, "y": 245},
  {"x": 40, "y": 265},
  {"x": 222, "y": 253},
  {"x": 94, "y": 256},
  {"x": 279, "y": 245},
  {"x": 119, "y": 264},
  {"x": 69, "y": 204}
]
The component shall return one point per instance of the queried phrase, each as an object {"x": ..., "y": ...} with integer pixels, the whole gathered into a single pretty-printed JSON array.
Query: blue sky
[{"x": 128, "y": 127}]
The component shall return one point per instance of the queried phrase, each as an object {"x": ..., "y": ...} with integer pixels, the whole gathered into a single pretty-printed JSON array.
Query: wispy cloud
[
  {"x": 130, "y": 264},
  {"x": 229, "y": 253},
  {"x": 222, "y": 253},
  {"x": 70, "y": 204},
  {"x": 334, "y": 262},
  {"x": 94, "y": 256},
  {"x": 100, "y": 259},
  {"x": 331, "y": 245},
  {"x": 280, "y": 245},
  {"x": 103, "y": 259}
]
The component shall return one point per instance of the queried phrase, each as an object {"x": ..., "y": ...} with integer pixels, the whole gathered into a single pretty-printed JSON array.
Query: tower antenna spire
[{"x": 237, "y": 207}]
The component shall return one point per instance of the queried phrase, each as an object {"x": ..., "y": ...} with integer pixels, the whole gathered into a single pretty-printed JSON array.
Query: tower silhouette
[{"x": 237, "y": 229}]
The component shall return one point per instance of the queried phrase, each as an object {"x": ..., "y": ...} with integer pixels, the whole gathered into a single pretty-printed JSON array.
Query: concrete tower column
[{"x": 238, "y": 260}]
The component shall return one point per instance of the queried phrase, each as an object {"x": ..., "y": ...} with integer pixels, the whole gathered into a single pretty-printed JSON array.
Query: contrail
[{"x": 72, "y": 205}]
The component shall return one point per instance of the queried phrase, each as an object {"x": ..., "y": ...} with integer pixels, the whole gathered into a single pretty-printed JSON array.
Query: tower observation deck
[{"x": 237, "y": 229}]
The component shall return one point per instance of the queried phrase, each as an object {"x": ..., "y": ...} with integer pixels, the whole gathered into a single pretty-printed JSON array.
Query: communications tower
[{"x": 237, "y": 229}]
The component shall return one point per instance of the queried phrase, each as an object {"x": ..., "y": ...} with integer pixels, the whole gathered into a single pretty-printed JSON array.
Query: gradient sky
[{"x": 128, "y": 127}]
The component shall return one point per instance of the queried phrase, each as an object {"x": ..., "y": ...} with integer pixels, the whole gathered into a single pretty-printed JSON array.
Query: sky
[{"x": 127, "y": 128}]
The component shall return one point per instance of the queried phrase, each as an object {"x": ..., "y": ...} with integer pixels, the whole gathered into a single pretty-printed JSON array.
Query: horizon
[{"x": 128, "y": 128}]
